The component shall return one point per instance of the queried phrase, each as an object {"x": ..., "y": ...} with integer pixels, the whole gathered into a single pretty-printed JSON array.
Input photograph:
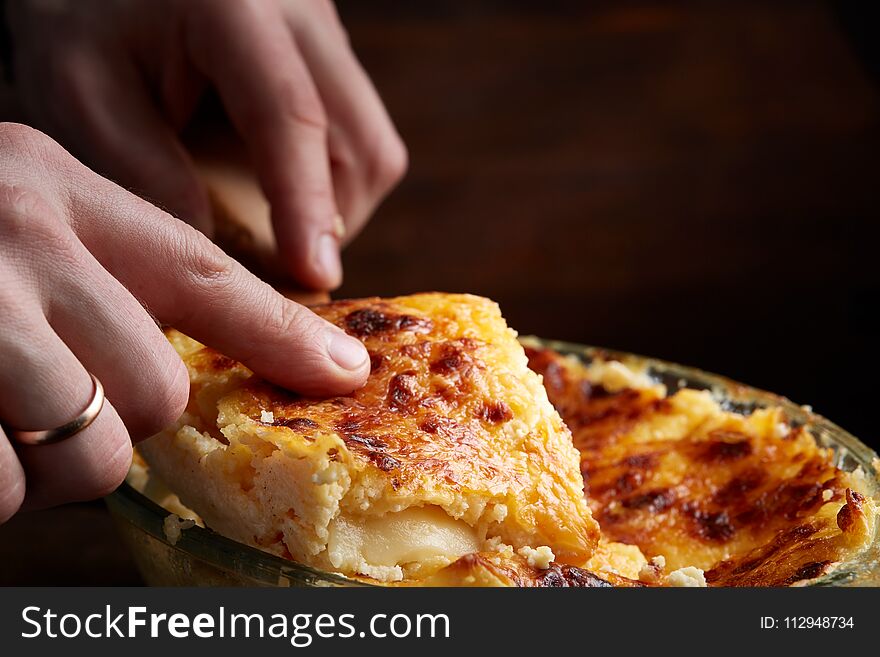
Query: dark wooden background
[{"x": 695, "y": 181}]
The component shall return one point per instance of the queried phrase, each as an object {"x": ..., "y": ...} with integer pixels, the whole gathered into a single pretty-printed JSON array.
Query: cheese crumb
[
  {"x": 267, "y": 417},
  {"x": 173, "y": 526},
  {"x": 495, "y": 544},
  {"x": 539, "y": 558},
  {"x": 781, "y": 430},
  {"x": 688, "y": 576},
  {"x": 381, "y": 573},
  {"x": 325, "y": 476},
  {"x": 498, "y": 513},
  {"x": 652, "y": 571},
  {"x": 827, "y": 494}
]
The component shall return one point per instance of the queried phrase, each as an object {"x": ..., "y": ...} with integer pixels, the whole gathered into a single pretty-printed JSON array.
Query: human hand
[
  {"x": 85, "y": 266},
  {"x": 115, "y": 81}
]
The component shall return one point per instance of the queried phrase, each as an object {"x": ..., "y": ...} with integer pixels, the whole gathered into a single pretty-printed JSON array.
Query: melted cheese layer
[{"x": 413, "y": 540}]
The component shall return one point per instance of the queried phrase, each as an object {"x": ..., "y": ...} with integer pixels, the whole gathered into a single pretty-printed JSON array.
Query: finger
[
  {"x": 117, "y": 340},
  {"x": 189, "y": 283},
  {"x": 44, "y": 387},
  {"x": 367, "y": 155},
  {"x": 113, "y": 123},
  {"x": 248, "y": 53},
  {"x": 11, "y": 480},
  {"x": 87, "y": 466}
]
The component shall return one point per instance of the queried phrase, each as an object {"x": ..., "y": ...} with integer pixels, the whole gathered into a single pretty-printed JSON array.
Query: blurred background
[
  {"x": 689, "y": 180},
  {"x": 694, "y": 181}
]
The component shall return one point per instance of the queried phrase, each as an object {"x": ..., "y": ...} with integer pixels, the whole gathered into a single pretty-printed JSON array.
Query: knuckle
[
  {"x": 31, "y": 159},
  {"x": 15, "y": 138},
  {"x": 288, "y": 318},
  {"x": 293, "y": 327},
  {"x": 55, "y": 243},
  {"x": 22, "y": 210},
  {"x": 204, "y": 265},
  {"x": 301, "y": 105},
  {"x": 31, "y": 212},
  {"x": 33, "y": 226},
  {"x": 23, "y": 148}
]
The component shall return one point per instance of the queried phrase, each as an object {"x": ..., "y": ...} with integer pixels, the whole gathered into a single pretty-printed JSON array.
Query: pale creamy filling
[{"x": 391, "y": 546}]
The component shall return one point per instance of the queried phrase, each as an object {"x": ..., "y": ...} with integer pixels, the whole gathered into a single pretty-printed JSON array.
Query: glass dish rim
[{"x": 217, "y": 550}]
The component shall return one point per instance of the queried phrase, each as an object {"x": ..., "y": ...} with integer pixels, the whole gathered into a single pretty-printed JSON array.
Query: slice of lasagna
[{"x": 451, "y": 448}]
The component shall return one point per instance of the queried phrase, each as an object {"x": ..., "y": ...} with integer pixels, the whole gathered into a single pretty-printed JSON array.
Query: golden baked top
[
  {"x": 451, "y": 423},
  {"x": 752, "y": 500},
  {"x": 451, "y": 466}
]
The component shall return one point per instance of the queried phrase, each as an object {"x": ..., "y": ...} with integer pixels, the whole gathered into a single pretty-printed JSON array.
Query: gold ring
[{"x": 65, "y": 431}]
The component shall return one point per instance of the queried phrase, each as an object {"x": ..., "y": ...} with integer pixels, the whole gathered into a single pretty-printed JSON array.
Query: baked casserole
[
  {"x": 452, "y": 447},
  {"x": 454, "y": 465}
]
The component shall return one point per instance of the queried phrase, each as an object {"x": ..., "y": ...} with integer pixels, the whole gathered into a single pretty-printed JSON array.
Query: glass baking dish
[{"x": 200, "y": 557}]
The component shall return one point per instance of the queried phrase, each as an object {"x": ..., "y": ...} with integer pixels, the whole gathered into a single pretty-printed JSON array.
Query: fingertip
[
  {"x": 335, "y": 364},
  {"x": 338, "y": 366},
  {"x": 349, "y": 354}
]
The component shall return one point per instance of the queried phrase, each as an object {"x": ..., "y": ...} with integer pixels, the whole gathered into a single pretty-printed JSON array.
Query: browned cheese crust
[
  {"x": 450, "y": 424},
  {"x": 752, "y": 501}
]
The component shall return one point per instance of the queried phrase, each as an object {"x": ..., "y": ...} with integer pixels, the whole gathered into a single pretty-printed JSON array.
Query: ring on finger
[{"x": 67, "y": 430}]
